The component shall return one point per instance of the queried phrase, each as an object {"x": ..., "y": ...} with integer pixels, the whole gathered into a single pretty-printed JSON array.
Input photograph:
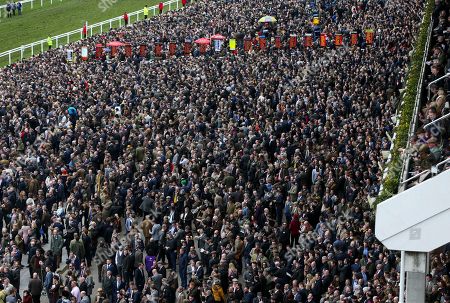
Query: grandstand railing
[
  {"x": 435, "y": 81},
  {"x": 413, "y": 125},
  {"x": 444, "y": 117},
  {"x": 394, "y": 167},
  {"x": 29, "y": 50}
]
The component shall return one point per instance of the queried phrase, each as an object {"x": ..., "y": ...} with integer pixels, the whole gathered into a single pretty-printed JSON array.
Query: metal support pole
[
  {"x": 21, "y": 53},
  {"x": 120, "y": 22},
  {"x": 32, "y": 50},
  {"x": 9, "y": 55},
  {"x": 56, "y": 41},
  {"x": 42, "y": 47},
  {"x": 42, "y": 3},
  {"x": 402, "y": 278},
  {"x": 101, "y": 28},
  {"x": 110, "y": 24},
  {"x": 415, "y": 268},
  {"x": 31, "y": 4}
]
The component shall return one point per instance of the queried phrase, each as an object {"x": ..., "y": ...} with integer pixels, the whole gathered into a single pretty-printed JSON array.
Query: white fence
[
  {"x": 37, "y": 47},
  {"x": 3, "y": 7}
]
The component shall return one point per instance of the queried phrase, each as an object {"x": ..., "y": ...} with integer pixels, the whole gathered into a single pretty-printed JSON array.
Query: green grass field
[{"x": 58, "y": 18}]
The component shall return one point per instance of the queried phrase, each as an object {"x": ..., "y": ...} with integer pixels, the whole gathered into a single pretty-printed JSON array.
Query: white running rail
[
  {"x": 29, "y": 50},
  {"x": 3, "y": 7}
]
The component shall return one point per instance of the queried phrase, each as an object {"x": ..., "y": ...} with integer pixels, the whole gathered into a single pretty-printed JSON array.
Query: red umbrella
[
  {"x": 115, "y": 43},
  {"x": 202, "y": 41},
  {"x": 217, "y": 37}
]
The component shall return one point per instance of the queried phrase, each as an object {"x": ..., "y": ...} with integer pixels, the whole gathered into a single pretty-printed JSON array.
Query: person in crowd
[
  {"x": 9, "y": 9},
  {"x": 125, "y": 18},
  {"x": 49, "y": 42},
  {"x": 35, "y": 287},
  {"x": 146, "y": 12}
]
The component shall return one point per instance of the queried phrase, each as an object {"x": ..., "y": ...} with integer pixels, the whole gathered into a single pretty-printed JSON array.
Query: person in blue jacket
[{"x": 73, "y": 115}]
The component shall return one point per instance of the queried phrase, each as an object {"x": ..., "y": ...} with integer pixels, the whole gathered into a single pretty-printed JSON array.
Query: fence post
[
  {"x": 91, "y": 31},
  {"x": 56, "y": 41},
  {"x": 42, "y": 3},
  {"x": 21, "y": 53},
  {"x": 68, "y": 40},
  {"x": 177, "y": 4},
  {"x": 9, "y": 55},
  {"x": 42, "y": 47},
  {"x": 32, "y": 4},
  {"x": 51, "y": 1},
  {"x": 32, "y": 50},
  {"x": 110, "y": 24},
  {"x": 101, "y": 28},
  {"x": 137, "y": 17},
  {"x": 154, "y": 11},
  {"x": 120, "y": 22}
]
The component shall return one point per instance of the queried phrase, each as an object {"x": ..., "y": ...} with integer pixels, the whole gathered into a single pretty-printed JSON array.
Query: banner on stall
[
  {"x": 370, "y": 33},
  {"x": 84, "y": 53},
  {"x": 70, "y": 55},
  {"x": 218, "y": 45}
]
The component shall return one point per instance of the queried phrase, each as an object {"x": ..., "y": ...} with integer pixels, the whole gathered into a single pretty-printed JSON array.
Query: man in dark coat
[
  {"x": 183, "y": 263},
  {"x": 108, "y": 285},
  {"x": 35, "y": 288},
  {"x": 128, "y": 264},
  {"x": 139, "y": 277}
]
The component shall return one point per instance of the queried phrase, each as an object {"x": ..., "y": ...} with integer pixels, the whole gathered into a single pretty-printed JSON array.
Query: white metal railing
[
  {"x": 414, "y": 122},
  {"x": 435, "y": 168},
  {"x": 415, "y": 177},
  {"x": 437, "y": 80},
  {"x": 404, "y": 165},
  {"x": 446, "y": 116},
  {"x": 3, "y": 12},
  {"x": 75, "y": 35}
]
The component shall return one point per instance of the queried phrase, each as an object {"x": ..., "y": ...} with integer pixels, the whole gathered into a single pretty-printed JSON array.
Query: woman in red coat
[
  {"x": 161, "y": 7},
  {"x": 26, "y": 297},
  {"x": 125, "y": 18},
  {"x": 294, "y": 228}
]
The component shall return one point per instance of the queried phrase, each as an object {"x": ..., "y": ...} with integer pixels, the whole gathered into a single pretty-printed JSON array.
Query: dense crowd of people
[{"x": 219, "y": 178}]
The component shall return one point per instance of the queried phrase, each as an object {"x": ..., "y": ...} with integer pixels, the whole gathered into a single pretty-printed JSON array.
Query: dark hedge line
[{"x": 392, "y": 180}]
